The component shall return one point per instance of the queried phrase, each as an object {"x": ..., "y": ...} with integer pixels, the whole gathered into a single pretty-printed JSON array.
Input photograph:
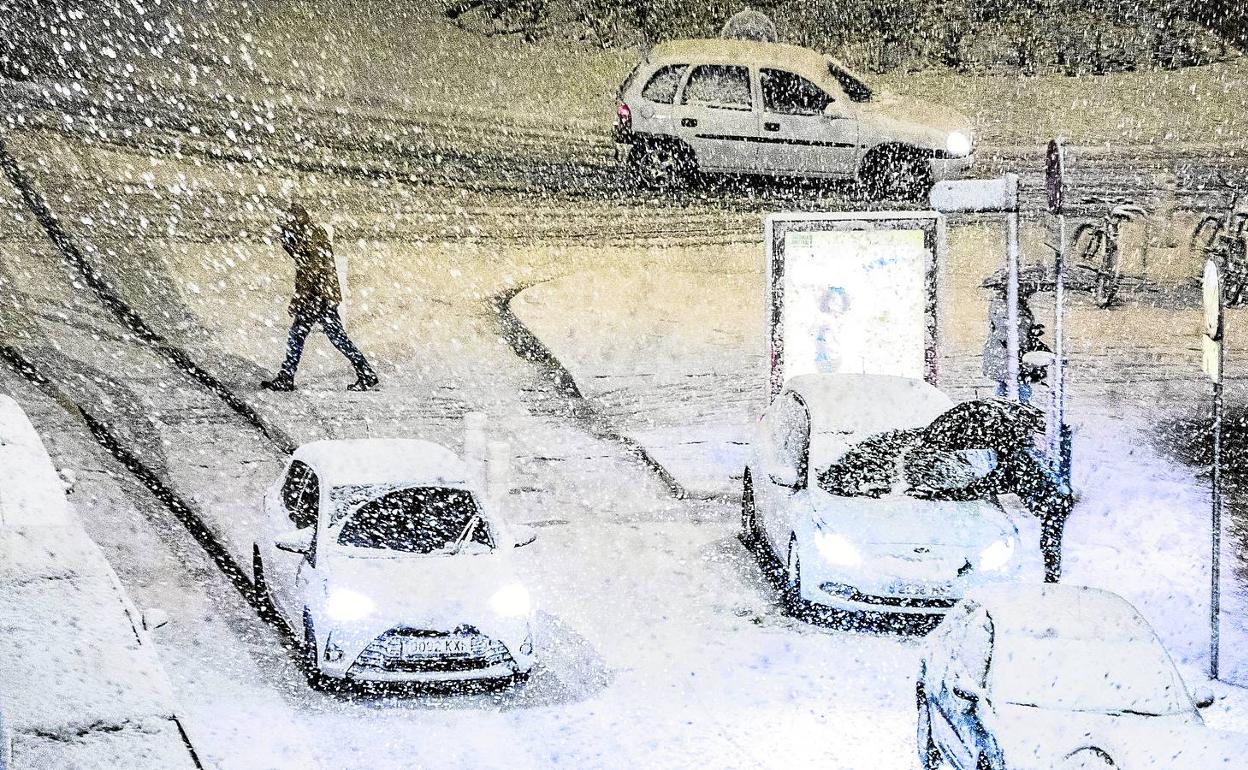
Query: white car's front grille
[{"x": 422, "y": 650}]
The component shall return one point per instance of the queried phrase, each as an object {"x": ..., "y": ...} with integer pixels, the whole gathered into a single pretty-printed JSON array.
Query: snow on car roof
[
  {"x": 1062, "y": 611},
  {"x": 747, "y": 52},
  {"x": 867, "y": 403},
  {"x": 383, "y": 461}
]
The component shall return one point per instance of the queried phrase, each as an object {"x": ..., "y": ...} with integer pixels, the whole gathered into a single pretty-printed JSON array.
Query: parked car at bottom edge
[
  {"x": 1059, "y": 677},
  {"x": 744, "y": 107},
  {"x": 383, "y": 559},
  {"x": 895, "y": 553}
]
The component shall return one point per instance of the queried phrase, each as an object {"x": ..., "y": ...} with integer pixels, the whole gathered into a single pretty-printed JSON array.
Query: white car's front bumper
[
  {"x": 896, "y": 586},
  {"x": 951, "y": 168},
  {"x": 366, "y": 658}
]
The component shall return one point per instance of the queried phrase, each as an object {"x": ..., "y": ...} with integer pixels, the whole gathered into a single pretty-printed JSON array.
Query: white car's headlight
[
  {"x": 511, "y": 601},
  {"x": 958, "y": 144},
  {"x": 345, "y": 605},
  {"x": 836, "y": 549},
  {"x": 996, "y": 555}
]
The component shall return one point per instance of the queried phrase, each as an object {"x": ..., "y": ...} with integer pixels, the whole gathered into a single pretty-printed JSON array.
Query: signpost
[
  {"x": 1212, "y": 341},
  {"x": 1055, "y": 192}
]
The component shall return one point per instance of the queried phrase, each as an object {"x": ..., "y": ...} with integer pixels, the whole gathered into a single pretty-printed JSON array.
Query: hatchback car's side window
[
  {"x": 661, "y": 88},
  {"x": 719, "y": 86},
  {"x": 301, "y": 493},
  {"x": 789, "y": 94},
  {"x": 792, "y": 431},
  {"x": 292, "y": 487}
]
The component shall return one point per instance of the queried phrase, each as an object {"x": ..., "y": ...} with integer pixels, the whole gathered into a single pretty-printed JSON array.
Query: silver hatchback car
[{"x": 742, "y": 107}]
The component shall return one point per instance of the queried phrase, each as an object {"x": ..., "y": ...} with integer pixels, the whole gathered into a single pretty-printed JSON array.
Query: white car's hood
[
  {"x": 905, "y": 520},
  {"x": 915, "y": 119},
  {"x": 433, "y": 592},
  {"x": 1042, "y": 738}
]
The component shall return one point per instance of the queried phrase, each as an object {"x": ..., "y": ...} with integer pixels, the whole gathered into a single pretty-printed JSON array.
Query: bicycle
[
  {"x": 1097, "y": 246},
  {"x": 1221, "y": 237}
]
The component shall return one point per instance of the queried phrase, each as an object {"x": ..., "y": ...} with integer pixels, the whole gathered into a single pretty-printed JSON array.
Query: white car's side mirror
[
  {"x": 299, "y": 541},
  {"x": 1204, "y": 697},
  {"x": 154, "y": 618},
  {"x": 833, "y": 111},
  {"x": 524, "y": 536},
  {"x": 784, "y": 476}
]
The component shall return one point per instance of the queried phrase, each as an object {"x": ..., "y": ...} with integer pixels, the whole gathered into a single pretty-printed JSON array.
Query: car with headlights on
[
  {"x": 1026, "y": 677},
  {"x": 848, "y": 542},
  {"x": 382, "y": 557},
  {"x": 745, "y": 107}
]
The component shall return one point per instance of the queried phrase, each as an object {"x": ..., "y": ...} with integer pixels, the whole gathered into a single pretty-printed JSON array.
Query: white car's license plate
[
  {"x": 426, "y": 647},
  {"x": 925, "y": 590}
]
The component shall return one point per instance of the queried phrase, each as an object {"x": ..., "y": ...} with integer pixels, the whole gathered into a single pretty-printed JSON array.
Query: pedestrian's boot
[
  {"x": 366, "y": 380},
  {"x": 279, "y": 384}
]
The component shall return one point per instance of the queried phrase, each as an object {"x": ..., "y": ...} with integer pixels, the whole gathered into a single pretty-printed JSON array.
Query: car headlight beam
[
  {"x": 345, "y": 605},
  {"x": 996, "y": 555},
  {"x": 511, "y": 601},
  {"x": 958, "y": 144},
  {"x": 837, "y": 549}
]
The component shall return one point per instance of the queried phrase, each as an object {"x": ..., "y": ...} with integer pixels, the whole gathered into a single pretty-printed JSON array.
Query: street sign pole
[
  {"x": 1213, "y": 350},
  {"x": 1012, "y": 342}
]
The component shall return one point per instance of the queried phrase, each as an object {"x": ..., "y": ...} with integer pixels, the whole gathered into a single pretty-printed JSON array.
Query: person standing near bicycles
[{"x": 1030, "y": 340}]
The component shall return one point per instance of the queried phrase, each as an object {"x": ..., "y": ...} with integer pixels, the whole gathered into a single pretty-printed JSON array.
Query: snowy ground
[{"x": 663, "y": 642}]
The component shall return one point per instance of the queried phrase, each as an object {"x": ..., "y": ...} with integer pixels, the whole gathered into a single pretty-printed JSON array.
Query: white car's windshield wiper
[{"x": 465, "y": 535}]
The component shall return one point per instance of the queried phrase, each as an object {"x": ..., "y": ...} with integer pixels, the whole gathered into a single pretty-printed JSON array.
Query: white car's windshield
[
  {"x": 1092, "y": 675},
  {"x": 421, "y": 520}
]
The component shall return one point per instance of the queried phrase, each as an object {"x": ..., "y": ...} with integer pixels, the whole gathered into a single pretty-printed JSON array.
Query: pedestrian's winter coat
[
  {"x": 316, "y": 277},
  {"x": 994, "y": 363}
]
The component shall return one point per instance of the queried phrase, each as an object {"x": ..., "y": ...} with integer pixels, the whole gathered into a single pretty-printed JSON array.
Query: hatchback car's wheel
[
  {"x": 793, "y": 601},
  {"x": 929, "y": 756},
  {"x": 893, "y": 171},
  {"x": 662, "y": 166},
  {"x": 311, "y": 662},
  {"x": 749, "y": 514}
]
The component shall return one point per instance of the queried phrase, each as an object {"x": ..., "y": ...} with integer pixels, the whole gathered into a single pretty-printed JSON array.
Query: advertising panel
[{"x": 853, "y": 293}]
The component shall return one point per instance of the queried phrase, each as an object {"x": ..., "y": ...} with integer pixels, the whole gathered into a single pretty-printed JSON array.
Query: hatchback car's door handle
[
  {"x": 771, "y": 126},
  {"x": 689, "y": 122}
]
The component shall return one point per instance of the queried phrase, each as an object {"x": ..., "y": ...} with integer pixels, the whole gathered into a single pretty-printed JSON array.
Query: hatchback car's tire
[
  {"x": 896, "y": 171},
  {"x": 663, "y": 166},
  {"x": 929, "y": 756},
  {"x": 749, "y": 513},
  {"x": 793, "y": 601},
  {"x": 311, "y": 663}
]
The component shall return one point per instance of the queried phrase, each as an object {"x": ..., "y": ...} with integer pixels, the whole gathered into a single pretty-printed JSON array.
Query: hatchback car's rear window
[
  {"x": 661, "y": 88},
  {"x": 719, "y": 86},
  {"x": 421, "y": 520}
]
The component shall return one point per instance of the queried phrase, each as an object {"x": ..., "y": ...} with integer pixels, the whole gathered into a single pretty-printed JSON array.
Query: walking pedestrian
[
  {"x": 1030, "y": 340},
  {"x": 316, "y": 299}
]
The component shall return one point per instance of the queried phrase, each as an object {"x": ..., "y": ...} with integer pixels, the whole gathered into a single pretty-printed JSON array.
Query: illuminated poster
[{"x": 853, "y": 295}]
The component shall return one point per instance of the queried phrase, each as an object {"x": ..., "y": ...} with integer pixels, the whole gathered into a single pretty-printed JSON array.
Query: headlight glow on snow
[
  {"x": 511, "y": 601},
  {"x": 345, "y": 605},
  {"x": 958, "y": 144},
  {"x": 836, "y": 549},
  {"x": 997, "y": 555}
]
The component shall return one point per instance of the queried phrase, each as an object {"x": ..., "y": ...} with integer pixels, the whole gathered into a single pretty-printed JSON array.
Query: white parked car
[
  {"x": 1057, "y": 676},
  {"x": 747, "y": 107},
  {"x": 384, "y": 560},
  {"x": 896, "y": 552}
]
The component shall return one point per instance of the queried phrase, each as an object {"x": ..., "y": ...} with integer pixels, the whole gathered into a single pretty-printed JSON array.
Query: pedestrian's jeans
[
  {"x": 1024, "y": 391},
  {"x": 331, "y": 324}
]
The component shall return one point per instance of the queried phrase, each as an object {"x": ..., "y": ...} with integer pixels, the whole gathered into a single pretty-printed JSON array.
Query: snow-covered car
[
  {"x": 747, "y": 107},
  {"x": 384, "y": 560},
  {"x": 1058, "y": 676},
  {"x": 902, "y": 551}
]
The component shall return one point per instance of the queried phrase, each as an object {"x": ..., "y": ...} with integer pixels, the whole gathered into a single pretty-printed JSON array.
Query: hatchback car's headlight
[
  {"x": 345, "y": 605},
  {"x": 996, "y": 555},
  {"x": 958, "y": 144},
  {"x": 511, "y": 601},
  {"x": 836, "y": 549}
]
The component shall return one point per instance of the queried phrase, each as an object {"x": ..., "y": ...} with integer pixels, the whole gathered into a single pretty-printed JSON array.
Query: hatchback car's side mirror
[
  {"x": 784, "y": 476},
  {"x": 1204, "y": 697},
  {"x": 299, "y": 541},
  {"x": 524, "y": 536},
  {"x": 154, "y": 618},
  {"x": 832, "y": 110}
]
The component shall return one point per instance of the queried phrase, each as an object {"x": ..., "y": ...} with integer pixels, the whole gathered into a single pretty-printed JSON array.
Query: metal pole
[
  {"x": 1058, "y": 413},
  {"x": 1215, "y": 598},
  {"x": 1012, "y": 345}
]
